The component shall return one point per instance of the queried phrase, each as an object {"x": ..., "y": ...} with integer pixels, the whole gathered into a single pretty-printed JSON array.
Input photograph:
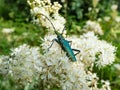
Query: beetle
[{"x": 65, "y": 44}]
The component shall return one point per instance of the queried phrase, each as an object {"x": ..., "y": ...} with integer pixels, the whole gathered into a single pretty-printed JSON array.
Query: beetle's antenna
[
  {"x": 48, "y": 20},
  {"x": 63, "y": 29}
]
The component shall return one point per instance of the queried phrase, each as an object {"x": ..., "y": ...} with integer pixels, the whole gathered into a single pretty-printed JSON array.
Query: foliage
[
  {"x": 24, "y": 33},
  {"x": 17, "y": 10}
]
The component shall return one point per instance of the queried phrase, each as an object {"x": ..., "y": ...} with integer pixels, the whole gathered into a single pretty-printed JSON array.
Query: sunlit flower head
[
  {"x": 93, "y": 26},
  {"x": 42, "y": 9}
]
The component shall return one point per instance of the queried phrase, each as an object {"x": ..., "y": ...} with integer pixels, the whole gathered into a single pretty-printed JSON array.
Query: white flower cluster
[
  {"x": 58, "y": 70},
  {"x": 7, "y": 30},
  {"x": 54, "y": 68},
  {"x": 23, "y": 64},
  {"x": 93, "y": 26},
  {"x": 39, "y": 7},
  {"x": 93, "y": 50},
  {"x": 61, "y": 71}
]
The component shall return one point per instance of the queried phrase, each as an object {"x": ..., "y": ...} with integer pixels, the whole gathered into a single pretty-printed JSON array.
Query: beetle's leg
[
  {"x": 78, "y": 51},
  {"x": 70, "y": 42},
  {"x": 52, "y": 43}
]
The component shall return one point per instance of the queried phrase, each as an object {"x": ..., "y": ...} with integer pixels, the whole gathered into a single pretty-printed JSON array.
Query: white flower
[
  {"x": 117, "y": 19},
  {"x": 106, "y": 53},
  {"x": 114, "y": 7},
  {"x": 51, "y": 11},
  {"x": 106, "y": 85},
  {"x": 37, "y": 10},
  {"x": 107, "y": 18},
  {"x": 24, "y": 64},
  {"x": 94, "y": 50},
  {"x": 59, "y": 22},
  {"x": 92, "y": 79},
  {"x": 90, "y": 8},
  {"x": 63, "y": 1},
  {"x": 56, "y": 6},
  {"x": 117, "y": 66},
  {"x": 97, "y": 10},
  {"x": 93, "y": 26},
  {"x": 99, "y": 20},
  {"x": 7, "y": 30}
]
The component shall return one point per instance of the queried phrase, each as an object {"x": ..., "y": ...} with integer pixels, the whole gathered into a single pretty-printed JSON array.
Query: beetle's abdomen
[{"x": 67, "y": 48}]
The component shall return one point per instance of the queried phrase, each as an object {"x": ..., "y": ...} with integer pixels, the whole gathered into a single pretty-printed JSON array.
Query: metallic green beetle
[{"x": 65, "y": 45}]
